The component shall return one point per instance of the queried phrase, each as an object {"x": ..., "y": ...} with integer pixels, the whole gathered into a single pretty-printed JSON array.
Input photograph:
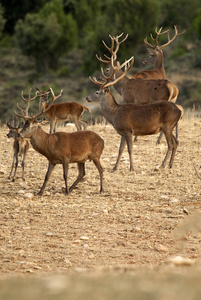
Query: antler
[
  {"x": 105, "y": 83},
  {"x": 158, "y": 33},
  {"x": 25, "y": 114},
  {"x": 111, "y": 49}
]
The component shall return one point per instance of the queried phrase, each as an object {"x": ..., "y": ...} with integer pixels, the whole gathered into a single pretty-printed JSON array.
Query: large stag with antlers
[
  {"x": 136, "y": 91},
  {"x": 61, "y": 147},
  {"x": 156, "y": 55},
  {"x": 139, "y": 120},
  {"x": 62, "y": 112}
]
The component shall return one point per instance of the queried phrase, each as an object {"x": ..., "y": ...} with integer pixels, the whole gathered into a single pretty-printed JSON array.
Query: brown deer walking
[
  {"x": 138, "y": 120},
  {"x": 63, "y": 148},
  {"x": 62, "y": 112},
  {"x": 20, "y": 148}
]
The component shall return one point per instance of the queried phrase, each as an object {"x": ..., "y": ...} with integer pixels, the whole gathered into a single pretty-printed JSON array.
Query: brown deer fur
[
  {"x": 64, "y": 148},
  {"x": 63, "y": 112},
  {"x": 20, "y": 148},
  {"x": 139, "y": 120}
]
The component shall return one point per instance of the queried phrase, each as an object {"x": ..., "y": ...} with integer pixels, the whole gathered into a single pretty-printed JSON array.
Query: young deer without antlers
[
  {"x": 62, "y": 112},
  {"x": 156, "y": 56},
  {"x": 20, "y": 148},
  {"x": 139, "y": 120},
  {"x": 63, "y": 148}
]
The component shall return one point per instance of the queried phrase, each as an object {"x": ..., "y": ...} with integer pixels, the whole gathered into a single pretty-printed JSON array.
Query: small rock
[
  {"x": 181, "y": 261},
  {"x": 20, "y": 192},
  {"x": 85, "y": 238},
  {"x": 105, "y": 211},
  {"x": 49, "y": 234},
  {"x": 29, "y": 196},
  {"x": 161, "y": 248}
]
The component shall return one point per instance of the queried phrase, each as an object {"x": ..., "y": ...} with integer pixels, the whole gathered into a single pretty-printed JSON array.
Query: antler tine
[
  {"x": 114, "y": 54},
  {"x": 50, "y": 105},
  {"x": 94, "y": 80},
  {"x": 158, "y": 33},
  {"x": 102, "y": 60},
  {"x": 174, "y": 37},
  {"x": 110, "y": 49},
  {"x": 119, "y": 67}
]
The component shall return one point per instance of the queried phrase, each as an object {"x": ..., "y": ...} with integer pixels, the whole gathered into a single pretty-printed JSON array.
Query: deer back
[
  {"x": 64, "y": 111},
  {"x": 141, "y": 91}
]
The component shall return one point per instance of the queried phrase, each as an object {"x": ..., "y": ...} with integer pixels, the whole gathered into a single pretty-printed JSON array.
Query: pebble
[
  {"x": 181, "y": 261},
  {"x": 29, "y": 196},
  {"x": 85, "y": 238},
  {"x": 161, "y": 248}
]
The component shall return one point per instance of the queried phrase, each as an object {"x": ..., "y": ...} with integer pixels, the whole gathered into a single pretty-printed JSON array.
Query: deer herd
[{"x": 148, "y": 108}]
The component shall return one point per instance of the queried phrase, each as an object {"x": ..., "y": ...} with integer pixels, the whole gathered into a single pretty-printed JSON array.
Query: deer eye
[{"x": 97, "y": 92}]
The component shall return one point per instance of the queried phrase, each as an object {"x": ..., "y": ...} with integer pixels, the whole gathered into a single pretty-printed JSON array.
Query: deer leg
[
  {"x": 54, "y": 126},
  {"x": 47, "y": 176},
  {"x": 170, "y": 148},
  {"x": 51, "y": 127},
  {"x": 81, "y": 174},
  {"x": 77, "y": 124},
  {"x": 22, "y": 164},
  {"x": 176, "y": 128},
  {"x": 23, "y": 159},
  {"x": 12, "y": 168},
  {"x": 16, "y": 164},
  {"x": 159, "y": 138},
  {"x": 135, "y": 139},
  {"x": 84, "y": 124},
  {"x": 175, "y": 143},
  {"x": 65, "y": 174},
  {"x": 100, "y": 170},
  {"x": 129, "y": 141},
  {"x": 121, "y": 149}
]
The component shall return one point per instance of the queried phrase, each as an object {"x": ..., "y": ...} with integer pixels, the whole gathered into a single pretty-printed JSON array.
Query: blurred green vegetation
[{"x": 54, "y": 42}]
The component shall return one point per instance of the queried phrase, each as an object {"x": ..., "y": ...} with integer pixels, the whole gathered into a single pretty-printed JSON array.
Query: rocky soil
[{"x": 144, "y": 219}]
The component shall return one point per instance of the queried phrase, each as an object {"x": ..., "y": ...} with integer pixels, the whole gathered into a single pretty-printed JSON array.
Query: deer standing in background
[
  {"x": 156, "y": 56},
  {"x": 20, "y": 148},
  {"x": 137, "y": 91},
  {"x": 138, "y": 120},
  {"x": 62, "y": 112},
  {"x": 63, "y": 148}
]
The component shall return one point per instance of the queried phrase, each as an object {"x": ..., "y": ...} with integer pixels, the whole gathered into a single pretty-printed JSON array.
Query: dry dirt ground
[{"x": 138, "y": 225}]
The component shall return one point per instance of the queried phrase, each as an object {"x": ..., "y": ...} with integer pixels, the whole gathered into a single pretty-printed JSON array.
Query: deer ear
[
  {"x": 107, "y": 90},
  {"x": 9, "y": 126}
]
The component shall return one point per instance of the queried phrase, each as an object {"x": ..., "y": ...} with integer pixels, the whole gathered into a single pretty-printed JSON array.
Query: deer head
[{"x": 30, "y": 121}]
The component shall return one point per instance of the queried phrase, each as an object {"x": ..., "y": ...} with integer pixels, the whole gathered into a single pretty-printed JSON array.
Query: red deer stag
[
  {"x": 63, "y": 148},
  {"x": 20, "y": 148},
  {"x": 139, "y": 120},
  {"x": 62, "y": 112},
  {"x": 137, "y": 91},
  {"x": 156, "y": 56}
]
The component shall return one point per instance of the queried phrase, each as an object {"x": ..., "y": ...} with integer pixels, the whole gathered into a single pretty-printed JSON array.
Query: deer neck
[
  {"x": 119, "y": 85},
  {"x": 40, "y": 141},
  {"x": 159, "y": 64},
  {"x": 109, "y": 107},
  {"x": 42, "y": 105}
]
